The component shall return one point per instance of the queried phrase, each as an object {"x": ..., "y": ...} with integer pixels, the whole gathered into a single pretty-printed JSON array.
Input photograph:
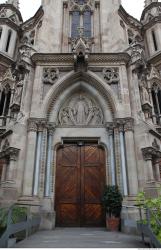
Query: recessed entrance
[{"x": 80, "y": 180}]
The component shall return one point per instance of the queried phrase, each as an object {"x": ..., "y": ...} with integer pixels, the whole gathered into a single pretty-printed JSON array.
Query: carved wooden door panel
[
  {"x": 92, "y": 185},
  {"x": 80, "y": 180}
]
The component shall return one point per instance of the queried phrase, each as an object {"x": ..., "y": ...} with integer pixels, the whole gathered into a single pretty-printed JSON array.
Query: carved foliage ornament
[
  {"x": 111, "y": 75},
  {"x": 80, "y": 110},
  {"x": 50, "y": 75}
]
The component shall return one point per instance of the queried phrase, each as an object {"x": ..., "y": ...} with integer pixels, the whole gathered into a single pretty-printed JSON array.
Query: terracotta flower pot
[{"x": 113, "y": 224}]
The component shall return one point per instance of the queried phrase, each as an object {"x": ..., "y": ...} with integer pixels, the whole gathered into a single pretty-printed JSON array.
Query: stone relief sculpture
[
  {"x": 111, "y": 75},
  {"x": 143, "y": 91},
  {"x": 50, "y": 75},
  {"x": 81, "y": 111},
  {"x": 18, "y": 93}
]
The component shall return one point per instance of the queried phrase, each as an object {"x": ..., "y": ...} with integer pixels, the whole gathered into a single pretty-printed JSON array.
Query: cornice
[
  {"x": 155, "y": 133},
  {"x": 13, "y": 8},
  {"x": 150, "y": 6},
  {"x": 10, "y": 23},
  {"x": 136, "y": 24},
  {"x": 156, "y": 59},
  {"x": 68, "y": 58},
  {"x": 156, "y": 19},
  {"x": 5, "y": 60}
]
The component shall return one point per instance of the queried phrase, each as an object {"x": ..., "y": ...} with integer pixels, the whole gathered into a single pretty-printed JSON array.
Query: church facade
[{"x": 80, "y": 107}]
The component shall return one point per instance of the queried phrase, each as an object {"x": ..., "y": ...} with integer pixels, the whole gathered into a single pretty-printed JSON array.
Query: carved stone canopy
[
  {"x": 150, "y": 153},
  {"x": 80, "y": 110},
  {"x": 155, "y": 145},
  {"x": 10, "y": 153}
]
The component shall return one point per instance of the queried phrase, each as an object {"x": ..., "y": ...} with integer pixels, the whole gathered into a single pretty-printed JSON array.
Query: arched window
[
  {"x": 81, "y": 2},
  {"x": 87, "y": 23},
  {"x": 75, "y": 24},
  {"x": 5, "y": 102},
  {"x": 156, "y": 97},
  {"x": 2, "y": 101},
  {"x": 0, "y": 32},
  {"x": 81, "y": 21},
  {"x": 8, "y": 40},
  {"x": 154, "y": 40}
]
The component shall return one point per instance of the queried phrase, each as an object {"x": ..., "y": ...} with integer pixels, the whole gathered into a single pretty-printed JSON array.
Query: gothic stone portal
[{"x": 80, "y": 181}]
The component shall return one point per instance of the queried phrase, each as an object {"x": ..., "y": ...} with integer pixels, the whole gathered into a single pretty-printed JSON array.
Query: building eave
[
  {"x": 136, "y": 24},
  {"x": 30, "y": 23}
]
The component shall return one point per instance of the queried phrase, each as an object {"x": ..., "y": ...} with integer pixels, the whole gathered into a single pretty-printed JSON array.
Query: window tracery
[{"x": 81, "y": 23}]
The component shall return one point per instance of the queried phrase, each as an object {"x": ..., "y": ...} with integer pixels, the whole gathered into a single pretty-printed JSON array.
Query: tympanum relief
[{"x": 80, "y": 110}]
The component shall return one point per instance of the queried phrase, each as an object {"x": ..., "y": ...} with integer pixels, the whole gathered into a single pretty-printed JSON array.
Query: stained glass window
[
  {"x": 87, "y": 23},
  {"x": 75, "y": 24},
  {"x": 81, "y": 2}
]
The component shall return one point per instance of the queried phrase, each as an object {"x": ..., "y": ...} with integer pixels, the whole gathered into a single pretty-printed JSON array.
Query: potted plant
[{"x": 112, "y": 202}]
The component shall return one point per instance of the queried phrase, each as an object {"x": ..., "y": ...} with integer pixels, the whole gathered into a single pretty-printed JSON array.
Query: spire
[
  {"x": 148, "y": 2},
  {"x": 15, "y": 3}
]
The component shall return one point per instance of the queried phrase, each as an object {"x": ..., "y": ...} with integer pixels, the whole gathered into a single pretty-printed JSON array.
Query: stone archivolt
[{"x": 80, "y": 110}]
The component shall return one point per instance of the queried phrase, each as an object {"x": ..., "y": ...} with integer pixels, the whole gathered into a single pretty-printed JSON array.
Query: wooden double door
[{"x": 80, "y": 181}]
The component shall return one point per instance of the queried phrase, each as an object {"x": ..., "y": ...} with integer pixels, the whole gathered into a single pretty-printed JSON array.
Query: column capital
[
  {"x": 110, "y": 128},
  {"x": 41, "y": 125},
  {"x": 125, "y": 124},
  {"x": 51, "y": 128},
  {"x": 36, "y": 124},
  {"x": 31, "y": 125},
  {"x": 148, "y": 153},
  {"x": 129, "y": 124}
]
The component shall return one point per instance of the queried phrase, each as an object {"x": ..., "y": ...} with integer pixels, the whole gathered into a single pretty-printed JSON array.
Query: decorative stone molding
[
  {"x": 51, "y": 128},
  {"x": 10, "y": 153},
  {"x": 41, "y": 125},
  {"x": 6, "y": 145},
  {"x": 110, "y": 128},
  {"x": 147, "y": 108},
  {"x": 50, "y": 75},
  {"x": 149, "y": 153},
  {"x": 67, "y": 59},
  {"x": 155, "y": 145},
  {"x": 125, "y": 124},
  {"x": 111, "y": 75},
  {"x": 36, "y": 124},
  {"x": 32, "y": 125}
]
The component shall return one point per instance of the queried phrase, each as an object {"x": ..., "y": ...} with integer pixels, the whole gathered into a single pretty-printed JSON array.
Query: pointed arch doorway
[{"x": 80, "y": 181}]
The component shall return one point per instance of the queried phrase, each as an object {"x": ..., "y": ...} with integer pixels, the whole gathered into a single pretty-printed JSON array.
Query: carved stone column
[
  {"x": 123, "y": 160},
  {"x": 65, "y": 32},
  {"x": 36, "y": 181},
  {"x": 30, "y": 158},
  {"x": 110, "y": 131},
  {"x": 51, "y": 129},
  {"x": 131, "y": 156},
  {"x": 117, "y": 157}
]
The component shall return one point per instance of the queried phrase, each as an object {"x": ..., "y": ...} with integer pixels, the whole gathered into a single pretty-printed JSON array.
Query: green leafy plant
[
  {"x": 154, "y": 204},
  {"x": 112, "y": 201},
  {"x": 18, "y": 214}
]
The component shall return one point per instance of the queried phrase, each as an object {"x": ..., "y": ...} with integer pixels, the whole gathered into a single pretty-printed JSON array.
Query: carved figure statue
[
  {"x": 18, "y": 93},
  {"x": 80, "y": 110}
]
